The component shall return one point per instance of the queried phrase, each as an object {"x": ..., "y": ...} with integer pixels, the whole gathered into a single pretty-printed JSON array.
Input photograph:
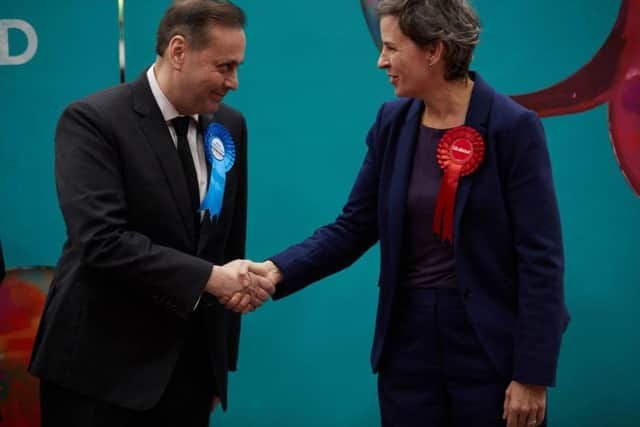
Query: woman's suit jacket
[{"x": 507, "y": 239}]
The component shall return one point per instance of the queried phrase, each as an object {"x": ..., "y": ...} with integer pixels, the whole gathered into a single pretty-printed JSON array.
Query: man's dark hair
[{"x": 193, "y": 19}]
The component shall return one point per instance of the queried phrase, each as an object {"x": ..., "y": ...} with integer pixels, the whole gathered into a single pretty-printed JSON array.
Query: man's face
[{"x": 209, "y": 73}]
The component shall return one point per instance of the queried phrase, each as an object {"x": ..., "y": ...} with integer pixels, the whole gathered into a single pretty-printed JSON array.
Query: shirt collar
[{"x": 167, "y": 109}]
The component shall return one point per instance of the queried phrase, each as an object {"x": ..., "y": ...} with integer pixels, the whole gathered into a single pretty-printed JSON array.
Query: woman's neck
[{"x": 446, "y": 107}]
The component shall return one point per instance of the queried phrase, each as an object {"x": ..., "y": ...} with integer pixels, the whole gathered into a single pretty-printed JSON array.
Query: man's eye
[{"x": 224, "y": 68}]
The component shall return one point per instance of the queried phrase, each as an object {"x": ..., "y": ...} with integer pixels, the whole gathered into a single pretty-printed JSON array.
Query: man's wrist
[{"x": 211, "y": 284}]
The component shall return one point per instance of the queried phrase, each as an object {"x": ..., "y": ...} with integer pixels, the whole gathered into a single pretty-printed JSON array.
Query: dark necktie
[{"x": 181, "y": 126}]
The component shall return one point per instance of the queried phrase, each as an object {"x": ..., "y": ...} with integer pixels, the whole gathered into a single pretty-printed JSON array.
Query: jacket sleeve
[
  {"x": 91, "y": 192},
  {"x": 338, "y": 245},
  {"x": 531, "y": 200}
]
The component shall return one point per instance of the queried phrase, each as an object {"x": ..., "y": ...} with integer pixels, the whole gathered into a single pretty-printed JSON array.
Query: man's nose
[{"x": 232, "y": 82}]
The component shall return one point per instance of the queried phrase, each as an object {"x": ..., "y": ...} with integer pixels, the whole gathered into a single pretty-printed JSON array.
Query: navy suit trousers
[{"x": 434, "y": 372}]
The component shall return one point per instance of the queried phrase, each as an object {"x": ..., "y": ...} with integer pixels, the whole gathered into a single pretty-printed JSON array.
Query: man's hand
[
  {"x": 241, "y": 291},
  {"x": 264, "y": 275},
  {"x": 524, "y": 405},
  {"x": 259, "y": 291}
]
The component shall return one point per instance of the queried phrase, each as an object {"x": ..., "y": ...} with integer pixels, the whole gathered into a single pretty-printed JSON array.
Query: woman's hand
[{"x": 524, "y": 404}]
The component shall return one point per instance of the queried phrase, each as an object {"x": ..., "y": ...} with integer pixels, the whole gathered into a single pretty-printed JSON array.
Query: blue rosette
[{"x": 221, "y": 155}]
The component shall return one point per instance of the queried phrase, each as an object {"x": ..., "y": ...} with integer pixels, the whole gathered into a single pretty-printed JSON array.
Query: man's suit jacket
[
  {"x": 134, "y": 265},
  {"x": 507, "y": 240}
]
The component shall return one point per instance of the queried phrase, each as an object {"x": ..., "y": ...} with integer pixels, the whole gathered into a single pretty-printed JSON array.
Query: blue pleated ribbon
[{"x": 221, "y": 155}]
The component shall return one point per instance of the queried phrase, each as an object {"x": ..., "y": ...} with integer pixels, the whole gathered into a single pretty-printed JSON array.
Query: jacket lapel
[
  {"x": 204, "y": 121},
  {"x": 206, "y": 227},
  {"x": 401, "y": 174},
  {"x": 155, "y": 129},
  {"x": 477, "y": 118}
]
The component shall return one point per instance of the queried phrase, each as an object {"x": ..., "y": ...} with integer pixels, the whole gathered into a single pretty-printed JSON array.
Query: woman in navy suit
[{"x": 457, "y": 187}]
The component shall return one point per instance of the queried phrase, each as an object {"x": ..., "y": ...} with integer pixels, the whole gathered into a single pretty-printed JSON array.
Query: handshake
[{"x": 243, "y": 285}]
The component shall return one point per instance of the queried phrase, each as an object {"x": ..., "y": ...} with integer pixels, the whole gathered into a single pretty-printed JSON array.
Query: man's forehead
[
  {"x": 226, "y": 44},
  {"x": 223, "y": 34}
]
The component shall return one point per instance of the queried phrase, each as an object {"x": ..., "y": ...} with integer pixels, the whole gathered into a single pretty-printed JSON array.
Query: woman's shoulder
[
  {"x": 504, "y": 111},
  {"x": 510, "y": 111},
  {"x": 397, "y": 106},
  {"x": 397, "y": 109}
]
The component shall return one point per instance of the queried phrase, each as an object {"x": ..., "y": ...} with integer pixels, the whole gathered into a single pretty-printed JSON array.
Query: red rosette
[{"x": 459, "y": 153}]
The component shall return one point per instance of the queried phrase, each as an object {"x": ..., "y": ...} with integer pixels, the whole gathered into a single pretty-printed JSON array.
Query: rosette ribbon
[
  {"x": 460, "y": 152},
  {"x": 221, "y": 155}
]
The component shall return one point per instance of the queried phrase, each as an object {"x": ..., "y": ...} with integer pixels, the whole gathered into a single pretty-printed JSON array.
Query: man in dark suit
[{"x": 133, "y": 332}]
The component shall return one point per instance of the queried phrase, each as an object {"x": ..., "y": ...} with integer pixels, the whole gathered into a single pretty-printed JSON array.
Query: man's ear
[{"x": 176, "y": 51}]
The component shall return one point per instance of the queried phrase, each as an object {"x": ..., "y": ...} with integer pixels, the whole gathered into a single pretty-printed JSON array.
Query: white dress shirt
[{"x": 194, "y": 137}]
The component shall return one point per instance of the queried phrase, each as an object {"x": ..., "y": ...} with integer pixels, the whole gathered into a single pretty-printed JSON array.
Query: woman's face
[{"x": 406, "y": 63}]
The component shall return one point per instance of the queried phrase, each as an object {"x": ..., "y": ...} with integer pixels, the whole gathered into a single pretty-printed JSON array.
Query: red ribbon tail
[
  {"x": 439, "y": 211},
  {"x": 443, "y": 214}
]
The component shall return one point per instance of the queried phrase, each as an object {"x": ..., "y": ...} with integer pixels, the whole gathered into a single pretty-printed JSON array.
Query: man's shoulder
[
  {"x": 105, "y": 109},
  {"x": 112, "y": 103},
  {"x": 109, "y": 99}
]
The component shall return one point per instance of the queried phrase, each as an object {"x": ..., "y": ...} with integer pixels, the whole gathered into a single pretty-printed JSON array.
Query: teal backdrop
[{"x": 310, "y": 89}]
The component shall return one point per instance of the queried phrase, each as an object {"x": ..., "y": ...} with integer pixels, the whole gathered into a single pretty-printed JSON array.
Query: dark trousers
[
  {"x": 186, "y": 401},
  {"x": 434, "y": 372}
]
